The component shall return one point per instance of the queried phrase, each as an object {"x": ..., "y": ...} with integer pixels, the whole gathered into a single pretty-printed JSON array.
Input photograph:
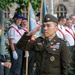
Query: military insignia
[
  {"x": 55, "y": 46},
  {"x": 58, "y": 43},
  {"x": 52, "y": 58},
  {"x": 39, "y": 44},
  {"x": 51, "y": 42},
  {"x": 54, "y": 49},
  {"x": 54, "y": 40},
  {"x": 48, "y": 18}
]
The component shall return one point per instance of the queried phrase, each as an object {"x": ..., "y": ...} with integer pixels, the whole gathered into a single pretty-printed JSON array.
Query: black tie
[
  {"x": 19, "y": 27},
  {"x": 74, "y": 26},
  {"x": 47, "y": 40},
  {"x": 61, "y": 27}
]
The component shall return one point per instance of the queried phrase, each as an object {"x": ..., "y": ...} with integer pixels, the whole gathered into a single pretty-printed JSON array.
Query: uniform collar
[
  {"x": 19, "y": 27},
  {"x": 51, "y": 42},
  {"x": 15, "y": 24},
  {"x": 53, "y": 39}
]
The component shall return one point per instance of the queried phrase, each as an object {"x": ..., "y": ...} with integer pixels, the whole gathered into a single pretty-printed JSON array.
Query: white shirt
[
  {"x": 24, "y": 29},
  {"x": 59, "y": 34},
  {"x": 73, "y": 27},
  {"x": 12, "y": 33},
  {"x": 69, "y": 37}
]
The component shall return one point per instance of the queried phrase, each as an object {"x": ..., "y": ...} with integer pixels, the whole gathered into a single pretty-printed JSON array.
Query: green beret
[{"x": 50, "y": 18}]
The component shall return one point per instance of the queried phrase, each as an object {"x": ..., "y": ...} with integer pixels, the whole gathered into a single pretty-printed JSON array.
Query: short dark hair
[
  {"x": 61, "y": 18},
  {"x": 68, "y": 19},
  {"x": 71, "y": 16}
]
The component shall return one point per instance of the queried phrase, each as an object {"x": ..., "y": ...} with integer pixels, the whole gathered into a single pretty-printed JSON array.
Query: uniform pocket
[
  {"x": 53, "y": 51},
  {"x": 53, "y": 56},
  {"x": 39, "y": 47}
]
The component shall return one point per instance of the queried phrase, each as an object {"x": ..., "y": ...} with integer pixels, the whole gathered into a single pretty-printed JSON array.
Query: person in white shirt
[
  {"x": 69, "y": 33},
  {"x": 73, "y": 21},
  {"x": 31, "y": 54},
  {"x": 73, "y": 24},
  {"x": 61, "y": 30},
  {"x": 71, "y": 63},
  {"x": 14, "y": 35},
  {"x": 24, "y": 25}
]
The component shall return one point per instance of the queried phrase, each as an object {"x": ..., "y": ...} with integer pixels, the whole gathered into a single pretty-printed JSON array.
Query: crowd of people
[{"x": 53, "y": 53}]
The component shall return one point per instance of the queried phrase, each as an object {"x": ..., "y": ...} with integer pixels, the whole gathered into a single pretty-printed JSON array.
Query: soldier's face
[{"x": 50, "y": 29}]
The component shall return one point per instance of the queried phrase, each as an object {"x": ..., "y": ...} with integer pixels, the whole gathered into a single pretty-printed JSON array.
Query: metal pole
[
  {"x": 2, "y": 48},
  {"x": 51, "y": 9}
]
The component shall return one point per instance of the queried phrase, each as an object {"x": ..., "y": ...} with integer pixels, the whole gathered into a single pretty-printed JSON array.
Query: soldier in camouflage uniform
[{"x": 51, "y": 52}]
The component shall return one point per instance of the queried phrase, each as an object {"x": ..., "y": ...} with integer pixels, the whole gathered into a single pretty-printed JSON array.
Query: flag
[
  {"x": 32, "y": 20},
  {"x": 43, "y": 12}
]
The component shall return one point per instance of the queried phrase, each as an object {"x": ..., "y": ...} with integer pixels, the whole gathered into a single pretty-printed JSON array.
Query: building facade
[{"x": 62, "y": 7}]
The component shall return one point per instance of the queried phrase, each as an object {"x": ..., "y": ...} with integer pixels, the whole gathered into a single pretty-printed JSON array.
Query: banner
[
  {"x": 32, "y": 21},
  {"x": 43, "y": 12}
]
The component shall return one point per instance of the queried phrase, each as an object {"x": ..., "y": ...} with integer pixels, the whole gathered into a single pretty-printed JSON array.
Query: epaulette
[{"x": 62, "y": 39}]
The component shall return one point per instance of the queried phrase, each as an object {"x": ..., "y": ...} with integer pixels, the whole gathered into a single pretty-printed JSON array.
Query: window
[
  {"x": 61, "y": 11},
  {"x": 6, "y": 12},
  {"x": 6, "y": 17},
  {"x": 65, "y": 0},
  {"x": 25, "y": 12}
]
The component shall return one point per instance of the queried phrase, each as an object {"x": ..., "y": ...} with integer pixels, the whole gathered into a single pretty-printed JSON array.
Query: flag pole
[
  {"x": 28, "y": 15},
  {"x": 26, "y": 52},
  {"x": 52, "y": 10},
  {"x": 41, "y": 11}
]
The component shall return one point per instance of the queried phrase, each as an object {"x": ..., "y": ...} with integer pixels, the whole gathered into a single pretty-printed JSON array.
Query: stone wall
[{"x": 70, "y": 6}]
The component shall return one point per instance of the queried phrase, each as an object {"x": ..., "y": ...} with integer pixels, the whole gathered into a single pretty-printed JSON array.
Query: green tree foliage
[{"x": 21, "y": 4}]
